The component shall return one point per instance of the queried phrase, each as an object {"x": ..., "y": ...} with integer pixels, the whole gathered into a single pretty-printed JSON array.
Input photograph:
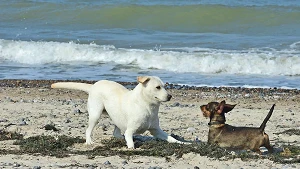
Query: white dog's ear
[{"x": 143, "y": 79}]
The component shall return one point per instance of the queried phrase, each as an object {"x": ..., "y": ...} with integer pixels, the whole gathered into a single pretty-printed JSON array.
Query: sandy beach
[{"x": 27, "y": 106}]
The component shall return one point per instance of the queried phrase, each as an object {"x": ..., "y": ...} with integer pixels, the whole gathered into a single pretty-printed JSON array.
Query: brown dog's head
[{"x": 216, "y": 111}]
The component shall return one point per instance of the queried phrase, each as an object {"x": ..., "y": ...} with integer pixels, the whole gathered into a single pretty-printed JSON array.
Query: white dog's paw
[
  {"x": 130, "y": 146},
  {"x": 181, "y": 142},
  {"x": 89, "y": 142},
  {"x": 186, "y": 142}
]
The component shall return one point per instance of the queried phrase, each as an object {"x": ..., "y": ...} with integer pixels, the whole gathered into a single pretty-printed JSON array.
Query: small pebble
[
  {"x": 50, "y": 127},
  {"x": 77, "y": 111},
  {"x": 191, "y": 129},
  {"x": 35, "y": 101},
  {"x": 68, "y": 120},
  {"x": 155, "y": 167},
  {"x": 176, "y": 104},
  {"x": 23, "y": 123},
  {"x": 16, "y": 165},
  {"x": 107, "y": 163},
  {"x": 3, "y": 120}
]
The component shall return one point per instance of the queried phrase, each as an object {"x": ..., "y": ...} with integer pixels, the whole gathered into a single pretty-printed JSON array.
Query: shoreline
[{"x": 47, "y": 83}]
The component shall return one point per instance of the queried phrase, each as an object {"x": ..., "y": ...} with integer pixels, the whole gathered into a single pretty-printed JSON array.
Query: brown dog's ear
[
  {"x": 143, "y": 79},
  {"x": 221, "y": 107},
  {"x": 224, "y": 108},
  {"x": 228, "y": 108}
]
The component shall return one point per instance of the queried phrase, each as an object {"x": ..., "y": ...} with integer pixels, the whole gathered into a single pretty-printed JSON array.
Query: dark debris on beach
[
  {"x": 16, "y": 83},
  {"x": 290, "y": 132},
  {"x": 61, "y": 147},
  {"x": 249, "y": 92},
  {"x": 5, "y": 135}
]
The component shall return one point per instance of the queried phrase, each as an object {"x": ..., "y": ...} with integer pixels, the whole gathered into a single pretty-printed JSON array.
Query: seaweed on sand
[
  {"x": 6, "y": 135},
  {"x": 48, "y": 145},
  {"x": 290, "y": 154},
  {"x": 290, "y": 132},
  {"x": 156, "y": 148},
  {"x": 60, "y": 147}
]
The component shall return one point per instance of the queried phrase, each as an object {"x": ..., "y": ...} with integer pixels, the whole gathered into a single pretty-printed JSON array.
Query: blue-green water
[{"x": 214, "y": 43}]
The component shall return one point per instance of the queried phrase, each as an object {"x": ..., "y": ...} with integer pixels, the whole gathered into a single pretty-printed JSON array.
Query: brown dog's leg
[
  {"x": 257, "y": 150},
  {"x": 267, "y": 143}
]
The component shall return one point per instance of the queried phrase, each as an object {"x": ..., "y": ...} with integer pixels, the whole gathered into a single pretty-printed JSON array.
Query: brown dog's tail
[{"x": 263, "y": 125}]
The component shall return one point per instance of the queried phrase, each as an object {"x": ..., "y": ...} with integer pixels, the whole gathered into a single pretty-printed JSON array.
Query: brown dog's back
[{"x": 237, "y": 137}]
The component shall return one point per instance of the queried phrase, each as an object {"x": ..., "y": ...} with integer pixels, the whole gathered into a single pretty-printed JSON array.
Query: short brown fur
[{"x": 227, "y": 136}]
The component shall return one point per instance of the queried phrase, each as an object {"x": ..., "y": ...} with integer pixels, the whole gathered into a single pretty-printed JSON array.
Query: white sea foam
[{"x": 203, "y": 60}]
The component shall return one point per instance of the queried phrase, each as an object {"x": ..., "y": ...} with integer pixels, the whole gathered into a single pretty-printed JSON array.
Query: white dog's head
[{"x": 153, "y": 88}]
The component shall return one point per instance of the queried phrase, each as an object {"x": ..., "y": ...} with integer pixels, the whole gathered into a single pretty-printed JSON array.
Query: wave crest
[{"x": 199, "y": 60}]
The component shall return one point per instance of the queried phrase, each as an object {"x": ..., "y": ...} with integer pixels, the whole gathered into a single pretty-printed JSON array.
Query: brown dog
[{"x": 231, "y": 137}]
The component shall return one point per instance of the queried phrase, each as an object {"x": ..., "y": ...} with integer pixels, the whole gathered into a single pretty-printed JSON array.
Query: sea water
[{"x": 247, "y": 43}]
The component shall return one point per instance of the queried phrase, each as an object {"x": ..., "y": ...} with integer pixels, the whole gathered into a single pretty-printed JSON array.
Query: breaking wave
[{"x": 264, "y": 61}]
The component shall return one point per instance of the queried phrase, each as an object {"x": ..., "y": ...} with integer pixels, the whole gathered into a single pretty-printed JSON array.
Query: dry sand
[{"x": 27, "y": 106}]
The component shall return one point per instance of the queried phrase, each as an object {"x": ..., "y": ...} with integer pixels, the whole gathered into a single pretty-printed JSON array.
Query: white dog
[{"x": 132, "y": 111}]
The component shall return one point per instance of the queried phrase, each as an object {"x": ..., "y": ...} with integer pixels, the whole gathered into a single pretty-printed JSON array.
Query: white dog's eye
[{"x": 158, "y": 87}]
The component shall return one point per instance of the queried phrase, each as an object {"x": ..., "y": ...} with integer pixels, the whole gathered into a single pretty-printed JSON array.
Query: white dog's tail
[{"x": 72, "y": 85}]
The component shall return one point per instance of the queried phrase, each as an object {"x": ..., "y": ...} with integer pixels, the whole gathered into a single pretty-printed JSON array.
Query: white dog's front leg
[
  {"x": 158, "y": 133},
  {"x": 129, "y": 138}
]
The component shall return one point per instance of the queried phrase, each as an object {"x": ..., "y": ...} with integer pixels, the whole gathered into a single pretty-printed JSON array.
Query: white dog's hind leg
[
  {"x": 95, "y": 108},
  {"x": 158, "y": 133},
  {"x": 129, "y": 138},
  {"x": 117, "y": 133}
]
